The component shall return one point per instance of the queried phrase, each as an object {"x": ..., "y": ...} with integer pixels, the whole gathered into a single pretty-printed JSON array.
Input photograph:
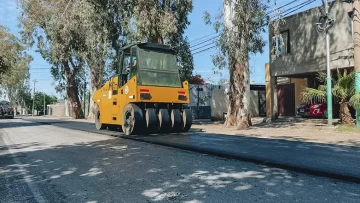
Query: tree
[
  {"x": 104, "y": 22},
  {"x": 196, "y": 80},
  {"x": 159, "y": 21},
  {"x": 3, "y": 65},
  {"x": 240, "y": 34},
  {"x": 116, "y": 23},
  {"x": 185, "y": 60},
  {"x": 14, "y": 65},
  {"x": 55, "y": 27},
  {"x": 39, "y": 100},
  {"x": 342, "y": 89}
]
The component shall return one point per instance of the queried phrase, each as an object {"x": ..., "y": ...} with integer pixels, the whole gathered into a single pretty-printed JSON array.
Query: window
[
  {"x": 158, "y": 68},
  {"x": 351, "y": 25},
  {"x": 134, "y": 63},
  {"x": 285, "y": 45},
  {"x": 282, "y": 45},
  {"x": 125, "y": 69}
]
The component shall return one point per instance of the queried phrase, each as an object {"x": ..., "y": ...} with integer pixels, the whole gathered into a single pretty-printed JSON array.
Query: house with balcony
[{"x": 303, "y": 54}]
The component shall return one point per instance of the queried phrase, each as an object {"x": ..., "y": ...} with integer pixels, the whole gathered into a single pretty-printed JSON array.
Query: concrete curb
[{"x": 229, "y": 155}]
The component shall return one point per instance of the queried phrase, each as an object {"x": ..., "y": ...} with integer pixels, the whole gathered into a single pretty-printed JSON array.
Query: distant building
[{"x": 212, "y": 102}]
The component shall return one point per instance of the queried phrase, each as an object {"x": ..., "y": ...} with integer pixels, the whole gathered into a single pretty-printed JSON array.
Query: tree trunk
[
  {"x": 157, "y": 39},
  {"x": 72, "y": 93},
  {"x": 239, "y": 96},
  {"x": 239, "y": 91},
  {"x": 95, "y": 84},
  {"x": 345, "y": 115}
]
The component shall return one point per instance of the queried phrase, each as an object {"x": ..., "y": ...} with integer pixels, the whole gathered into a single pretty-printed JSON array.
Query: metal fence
[{"x": 201, "y": 112}]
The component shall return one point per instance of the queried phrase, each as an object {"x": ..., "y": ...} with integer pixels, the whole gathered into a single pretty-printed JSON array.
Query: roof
[{"x": 149, "y": 45}]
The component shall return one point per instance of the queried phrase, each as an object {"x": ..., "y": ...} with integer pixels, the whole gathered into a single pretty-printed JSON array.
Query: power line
[
  {"x": 200, "y": 43},
  {"x": 204, "y": 50},
  {"x": 200, "y": 38},
  {"x": 282, "y": 7},
  {"x": 301, "y": 6},
  {"x": 270, "y": 12},
  {"x": 294, "y": 8},
  {"x": 202, "y": 46}
]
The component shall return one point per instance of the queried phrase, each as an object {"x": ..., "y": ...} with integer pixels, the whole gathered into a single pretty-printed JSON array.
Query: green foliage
[
  {"x": 3, "y": 66},
  {"x": 39, "y": 100},
  {"x": 159, "y": 21},
  {"x": 355, "y": 101},
  {"x": 240, "y": 34},
  {"x": 311, "y": 95},
  {"x": 185, "y": 60},
  {"x": 14, "y": 64},
  {"x": 196, "y": 80},
  {"x": 343, "y": 89},
  {"x": 164, "y": 22},
  {"x": 58, "y": 28}
]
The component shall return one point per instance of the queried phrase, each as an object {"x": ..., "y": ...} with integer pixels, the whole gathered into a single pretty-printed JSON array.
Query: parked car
[
  {"x": 6, "y": 109},
  {"x": 317, "y": 110},
  {"x": 312, "y": 110}
]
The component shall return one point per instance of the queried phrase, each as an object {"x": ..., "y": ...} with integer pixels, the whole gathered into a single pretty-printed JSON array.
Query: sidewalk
[
  {"x": 312, "y": 131},
  {"x": 329, "y": 160}
]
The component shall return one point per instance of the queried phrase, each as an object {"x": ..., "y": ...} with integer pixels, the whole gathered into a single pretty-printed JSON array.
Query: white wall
[{"x": 217, "y": 99}]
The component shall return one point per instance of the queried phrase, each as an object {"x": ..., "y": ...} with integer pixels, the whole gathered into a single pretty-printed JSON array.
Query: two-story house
[{"x": 303, "y": 54}]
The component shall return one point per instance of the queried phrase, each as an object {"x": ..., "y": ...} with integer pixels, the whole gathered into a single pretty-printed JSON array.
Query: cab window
[{"x": 134, "y": 63}]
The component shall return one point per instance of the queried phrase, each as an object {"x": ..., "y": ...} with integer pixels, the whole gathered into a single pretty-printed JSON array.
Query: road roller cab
[{"x": 146, "y": 96}]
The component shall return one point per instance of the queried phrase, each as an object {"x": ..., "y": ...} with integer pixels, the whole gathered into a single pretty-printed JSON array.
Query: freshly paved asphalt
[
  {"x": 334, "y": 161},
  {"x": 46, "y": 163}
]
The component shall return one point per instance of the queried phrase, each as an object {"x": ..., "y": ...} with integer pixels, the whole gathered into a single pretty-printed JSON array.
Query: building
[
  {"x": 303, "y": 54},
  {"x": 210, "y": 101}
]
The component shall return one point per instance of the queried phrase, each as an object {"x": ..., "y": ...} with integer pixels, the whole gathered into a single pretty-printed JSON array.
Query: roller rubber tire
[
  {"x": 133, "y": 122},
  {"x": 186, "y": 120},
  {"x": 175, "y": 120},
  {"x": 151, "y": 121},
  {"x": 164, "y": 121},
  {"x": 98, "y": 124}
]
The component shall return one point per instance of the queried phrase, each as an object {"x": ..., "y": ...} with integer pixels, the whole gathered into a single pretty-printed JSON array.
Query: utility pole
[
  {"x": 84, "y": 97},
  {"x": 44, "y": 104},
  {"x": 88, "y": 104},
  {"x": 32, "y": 113},
  {"x": 324, "y": 26},
  {"x": 356, "y": 38},
  {"x": 328, "y": 80}
]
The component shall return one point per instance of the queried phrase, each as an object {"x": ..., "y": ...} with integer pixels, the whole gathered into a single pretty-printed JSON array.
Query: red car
[{"x": 312, "y": 110}]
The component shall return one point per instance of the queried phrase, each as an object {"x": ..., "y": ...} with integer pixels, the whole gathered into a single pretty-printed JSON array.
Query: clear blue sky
[{"x": 40, "y": 69}]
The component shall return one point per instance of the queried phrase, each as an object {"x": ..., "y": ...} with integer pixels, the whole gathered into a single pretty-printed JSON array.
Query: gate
[
  {"x": 201, "y": 112},
  {"x": 262, "y": 103}
]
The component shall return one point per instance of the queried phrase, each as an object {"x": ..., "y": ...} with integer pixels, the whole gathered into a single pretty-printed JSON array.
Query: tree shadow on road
[{"x": 119, "y": 170}]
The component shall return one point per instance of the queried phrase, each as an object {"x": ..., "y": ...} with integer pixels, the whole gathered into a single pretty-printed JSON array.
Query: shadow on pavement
[
  {"x": 136, "y": 172},
  {"x": 313, "y": 158}
]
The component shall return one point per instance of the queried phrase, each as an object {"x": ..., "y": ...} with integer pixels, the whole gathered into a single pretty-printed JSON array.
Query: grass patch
[{"x": 348, "y": 129}]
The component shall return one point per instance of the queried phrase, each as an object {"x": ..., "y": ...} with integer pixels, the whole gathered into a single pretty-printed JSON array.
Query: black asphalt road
[
  {"x": 46, "y": 163},
  {"x": 334, "y": 161}
]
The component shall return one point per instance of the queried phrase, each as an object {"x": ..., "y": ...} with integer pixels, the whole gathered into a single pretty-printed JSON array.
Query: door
[
  {"x": 114, "y": 100},
  {"x": 286, "y": 99}
]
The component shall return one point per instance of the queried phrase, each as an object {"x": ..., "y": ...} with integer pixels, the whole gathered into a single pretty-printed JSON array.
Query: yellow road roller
[{"x": 147, "y": 95}]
